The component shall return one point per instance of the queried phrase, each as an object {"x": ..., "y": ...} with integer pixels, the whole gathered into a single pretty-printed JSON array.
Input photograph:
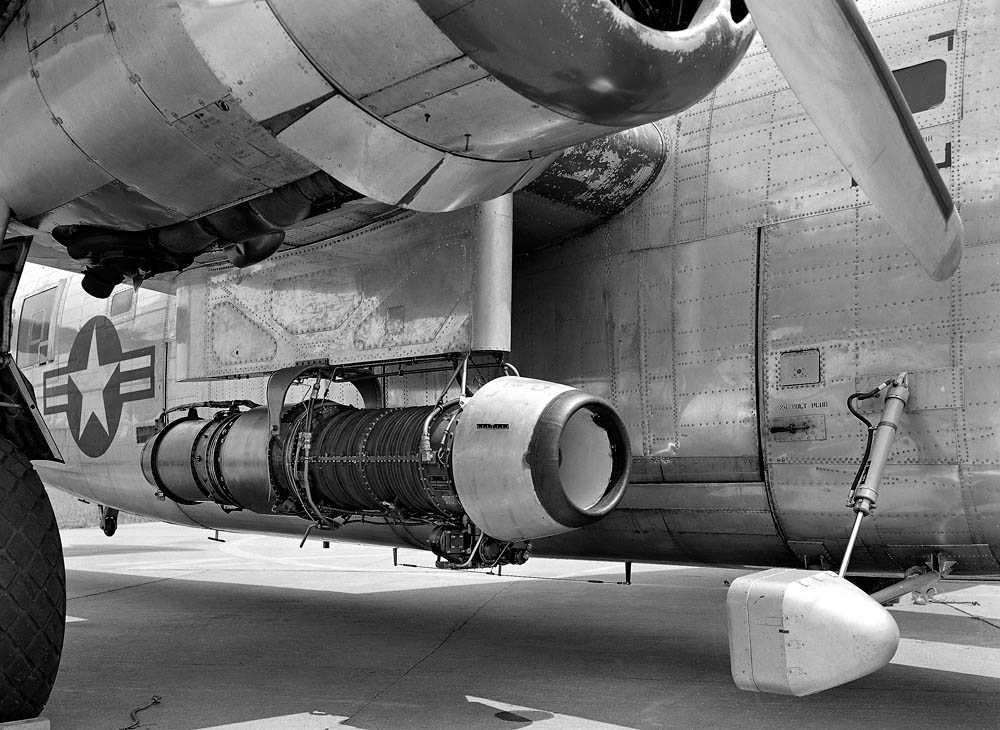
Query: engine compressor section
[{"x": 518, "y": 460}]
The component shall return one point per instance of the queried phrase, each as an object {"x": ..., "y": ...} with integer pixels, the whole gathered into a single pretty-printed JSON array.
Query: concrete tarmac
[{"x": 255, "y": 634}]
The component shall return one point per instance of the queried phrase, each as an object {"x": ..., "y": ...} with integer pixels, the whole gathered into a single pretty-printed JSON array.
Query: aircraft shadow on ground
[
  {"x": 86, "y": 551},
  {"x": 544, "y": 644}
]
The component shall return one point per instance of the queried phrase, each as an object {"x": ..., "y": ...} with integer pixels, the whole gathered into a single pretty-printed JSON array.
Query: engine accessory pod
[
  {"x": 797, "y": 632},
  {"x": 533, "y": 458}
]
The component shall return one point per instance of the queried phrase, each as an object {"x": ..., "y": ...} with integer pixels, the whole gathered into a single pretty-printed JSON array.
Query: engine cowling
[
  {"x": 479, "y": 96},
  {"x": 425, "y": 104},
  {"x": 616, "y": 63},
  {"x": 523, "y": 459},
  {"x": 538, "y": 458}
]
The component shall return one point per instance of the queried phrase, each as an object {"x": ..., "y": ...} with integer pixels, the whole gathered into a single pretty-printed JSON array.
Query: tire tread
[{"x": 32, "y": 589}]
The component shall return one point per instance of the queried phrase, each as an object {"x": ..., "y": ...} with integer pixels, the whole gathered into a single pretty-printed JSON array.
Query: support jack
[
  {"x": 864, "y": 491},
  {"x": 798, "y": 632},
  {"x": 920, "y": 581}
]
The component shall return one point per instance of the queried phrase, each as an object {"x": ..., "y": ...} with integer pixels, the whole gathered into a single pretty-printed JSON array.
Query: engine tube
[
  {"x": 522, "y": 459},
  {"x": 368, "y": 460}
]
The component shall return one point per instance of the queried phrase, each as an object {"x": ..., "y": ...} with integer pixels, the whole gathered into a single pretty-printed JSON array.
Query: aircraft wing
[
  {"x": 829, "y": 58},
  {"x": 304, "y": 125},
  {"x": 46, "y": 251},
  {"x": 585, "y": 186}
]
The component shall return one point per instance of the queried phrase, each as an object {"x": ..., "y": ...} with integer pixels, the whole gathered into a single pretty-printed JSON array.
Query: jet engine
[{"x": 521, "y": 459}]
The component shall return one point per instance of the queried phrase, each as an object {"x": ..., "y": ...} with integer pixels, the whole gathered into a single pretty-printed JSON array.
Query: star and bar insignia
[{"x": 96, "y": 382}]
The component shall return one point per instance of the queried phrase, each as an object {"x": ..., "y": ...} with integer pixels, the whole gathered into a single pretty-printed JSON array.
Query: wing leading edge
[{"x": 832, "y": 63}]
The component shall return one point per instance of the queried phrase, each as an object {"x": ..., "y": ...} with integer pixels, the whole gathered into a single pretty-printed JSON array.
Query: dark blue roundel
[{"x": 94, "y": 384}]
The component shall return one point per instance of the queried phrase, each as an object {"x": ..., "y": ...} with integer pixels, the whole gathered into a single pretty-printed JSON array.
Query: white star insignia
[{"x": 92, "y": 383}]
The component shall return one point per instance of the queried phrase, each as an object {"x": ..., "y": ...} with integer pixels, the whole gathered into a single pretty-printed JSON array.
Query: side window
[
  {"x": 121, "y": 302},
  {"x": 34, "y": 329},
  {"x": 924, "y": 85}
]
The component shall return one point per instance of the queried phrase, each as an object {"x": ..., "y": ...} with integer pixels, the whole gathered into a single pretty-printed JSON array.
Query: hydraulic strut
[{"x": 864, "y": 491}]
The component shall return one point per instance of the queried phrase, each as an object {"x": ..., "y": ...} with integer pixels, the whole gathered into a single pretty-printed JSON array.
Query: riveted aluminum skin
[
  {"x": 731, "y": 312},
  {"x": 426, "y": 87},
  {"x": 413, "y": 286},
  {"x": 42, "y": 168},
  {"x": 388, "y": 165},
  {"x": 81, "y": 75},
  {"x": 261, "y": 64}
]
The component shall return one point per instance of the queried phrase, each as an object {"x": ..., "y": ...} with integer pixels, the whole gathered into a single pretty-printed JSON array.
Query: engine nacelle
[
  {"x": 616, "y": 63},
  {"x": 523, "y": 459},
  {"x": 538, "y": 458},
  {"x": 478, "y": 97},
  {"x": 431, "y": 105}
]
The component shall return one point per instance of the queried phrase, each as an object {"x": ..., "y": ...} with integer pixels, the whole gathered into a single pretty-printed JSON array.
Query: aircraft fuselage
[{"x": 727, "y": 314}]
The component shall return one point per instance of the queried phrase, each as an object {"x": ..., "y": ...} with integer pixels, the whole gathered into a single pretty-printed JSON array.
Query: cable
[
  {"x": 871, "y": 430},
  {"x": 135, "y": 720},
  {"x": 861, "y": 396}
]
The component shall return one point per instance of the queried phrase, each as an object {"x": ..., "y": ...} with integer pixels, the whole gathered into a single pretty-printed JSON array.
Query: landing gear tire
[{"x": 32, "y": 589}]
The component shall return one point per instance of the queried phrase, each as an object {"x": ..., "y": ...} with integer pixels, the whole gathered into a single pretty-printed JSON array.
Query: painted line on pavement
[
  {"x": 543, "y": 718},
  {"x": 132, "y": 565},
  {"x": 976, "y": 660},
  {"x": 302, "y": 721}
]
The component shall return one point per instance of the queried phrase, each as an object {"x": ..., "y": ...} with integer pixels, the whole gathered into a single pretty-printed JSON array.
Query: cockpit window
[
  {"x": 33, "y": 331},
  {"x": 924, "y": 85}
]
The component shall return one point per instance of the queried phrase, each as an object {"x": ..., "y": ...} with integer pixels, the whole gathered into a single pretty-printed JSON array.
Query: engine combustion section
[{"x": 522, "y": 459}]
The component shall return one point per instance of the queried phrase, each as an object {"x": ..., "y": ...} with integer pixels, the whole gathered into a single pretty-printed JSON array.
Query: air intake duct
[{"x": 522, "y": 459}]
